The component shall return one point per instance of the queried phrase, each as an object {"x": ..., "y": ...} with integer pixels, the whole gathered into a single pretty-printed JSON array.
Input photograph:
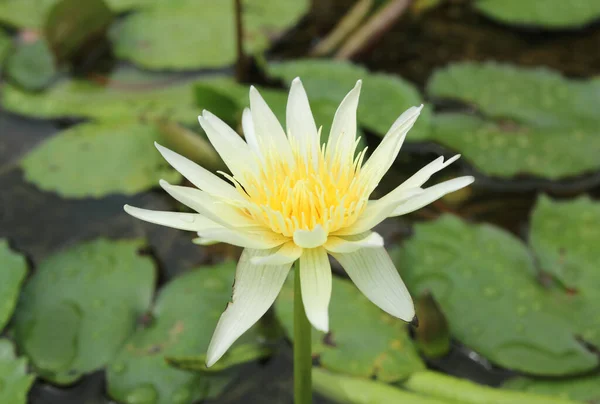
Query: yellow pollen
[{"x": 309, "y": 190}]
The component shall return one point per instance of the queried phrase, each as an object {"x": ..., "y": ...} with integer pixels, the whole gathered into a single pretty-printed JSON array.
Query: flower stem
[{"x": 302, "y": 346}]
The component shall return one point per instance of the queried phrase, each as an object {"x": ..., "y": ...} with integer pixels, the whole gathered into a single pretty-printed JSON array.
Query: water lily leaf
[
  {"x": 31, "y": 65},
  {"x": 332, "y": 80},
  {"x": 363, "y": 340},
  {"x": 183, "y": 320},
  {"x": 81, "y": 305},
  {"x": 13, "y": 269},
  {"x": 237, "y": 355},
  {"x": 584, "y": 388},
  {"x": 14, "y": 379},
  {"x": 510, "y": 150},
  {"x": 200, "y": 33},
  {"x": 71, "y": 24},
  {"x": 79, "y": 98},
  {"x": 74, "y": 162},
  {"x": 466, "y": 266},
  {"x": 564, "y": 236},
  {"x": 550, "y": 14},
  {"x": 536, "y": 96}
]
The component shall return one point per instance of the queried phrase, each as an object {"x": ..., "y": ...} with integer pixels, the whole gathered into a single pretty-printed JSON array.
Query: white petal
[
  {"x": 269, "y": 133},
  {"x": 288, "y": 253},
  {"x": 215, "y": 210},
  {"x": 374, "y": 273},
  {"x": 353, "y": 243},
  {"x": 199, "y": 176},
  {"x": 315, "y": 283},
  {"x": 243, "y": 237},
  {"x": 385, "y": 154},
  {"x": 343, "y": 130},
  {"x": 310, "y": 238},
  {"x": 176, "y": 220},
  {"x": 431, "y": 194},
  {"x": 249, "y": 132},
  {"x": 254, "y": 291},
  {"x": 231, "y": 147},
  {"x": 376, "y": 212},
  {"x": 300, "y": 122},
  {"x": 423, "y": 175}
]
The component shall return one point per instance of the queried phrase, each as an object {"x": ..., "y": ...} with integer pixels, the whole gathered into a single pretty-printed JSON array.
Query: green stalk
[{"x": 302, "y": 346}]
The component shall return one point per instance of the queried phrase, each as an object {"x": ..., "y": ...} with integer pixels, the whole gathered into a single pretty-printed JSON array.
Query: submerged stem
[{"x": 302, "y": 346}]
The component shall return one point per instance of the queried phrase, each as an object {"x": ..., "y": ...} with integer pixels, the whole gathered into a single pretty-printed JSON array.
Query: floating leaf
[
  {"x": 551, "y": 14},
  {"x": 14, "y": 380},
  {"x": 363, "y": 341},
  {"x": 564, "y": 236},
  {"x": 183, "y": 320},
  {"x": 81, "y": 305},
  {"x": 71, "y": 24},
  {"x": 97, "y": 159},
  {"x": 200, "y": 33},
  {"x": 584, "y": 388},
  {"x": 31, "y": 65},
  {"x": 510, "y": 150},
  {"x": 539, "y": 96},
  {"x": 354, "y": 390},
  {"x": 13, "y": 269},
  {"x": 238, "y": 354},
  {"x": 467, "y": 266},
  {"x": 78, "y": 98},
  {"x": 383, "y": 97}
]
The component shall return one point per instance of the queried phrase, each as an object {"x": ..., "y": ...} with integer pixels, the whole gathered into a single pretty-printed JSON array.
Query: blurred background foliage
[{"x": 97, "y": 307}]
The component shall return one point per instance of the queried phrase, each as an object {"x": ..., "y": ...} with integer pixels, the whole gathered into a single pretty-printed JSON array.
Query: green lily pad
[
  {"x": 97, "y": 159},
  {"x": 200, "y": 33},
  {"x": 79, "y": 98},
  {"x": 14, "y": 380},
  {"x": 509, "y": 150},
  {"x": 363, "y": 340},
  {"x": 536, "y": 96},
  {"x": 564, "y": 236},
  {"x": 13, "y": 269},
  {"x": 183, "y": 320},
  {"x": 584, "y": 388},
  {"x": 484, "y": 280},
  {"x": 31, "y": 65},
  {"x": 81, "y": 305},
  {"x": 332, "y": 80},
  {"x": 236, "y": 355},
  {"x": 551, "y": 14}
]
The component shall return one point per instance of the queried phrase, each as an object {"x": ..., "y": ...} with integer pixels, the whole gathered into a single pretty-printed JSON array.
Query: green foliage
[
  {"x": 31, "y": 65},
  {"x": 81, "y": 305},
  {"x": 355, "y": 390},
  {"x": 236, "y": 355},
  {"x": 14, "y": 380},
  {"x": 363, "y": 340},
  {"x": 78, "y": 98},
  {"x": 510, "y": 150},
  {"x": 383, "y": 97},
  {"x": 97, "y": 159},
  {"x": 199, "y": 33},
  {"x": 183, "y": 320},
  {"x": 536, "y": 96},
  {"x": 584, "y": 388},
  {"x": 5, "y": 45},
  {"x": 485, "y": 282},
  {"x": 13, "y": 269},
  {"x": 550, "y": 14}
]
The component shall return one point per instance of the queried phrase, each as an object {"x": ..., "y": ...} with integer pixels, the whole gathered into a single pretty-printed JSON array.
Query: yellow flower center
[{"x": 308, "y": 191}]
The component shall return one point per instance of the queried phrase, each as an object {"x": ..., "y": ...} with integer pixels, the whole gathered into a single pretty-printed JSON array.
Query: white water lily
[{"x": 292, "y": 198}]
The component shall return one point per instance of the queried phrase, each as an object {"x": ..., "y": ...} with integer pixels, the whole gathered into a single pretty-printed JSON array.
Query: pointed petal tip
[
  {"x": 297, "y": 80},
  {"x": 415, "y": 322}
]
